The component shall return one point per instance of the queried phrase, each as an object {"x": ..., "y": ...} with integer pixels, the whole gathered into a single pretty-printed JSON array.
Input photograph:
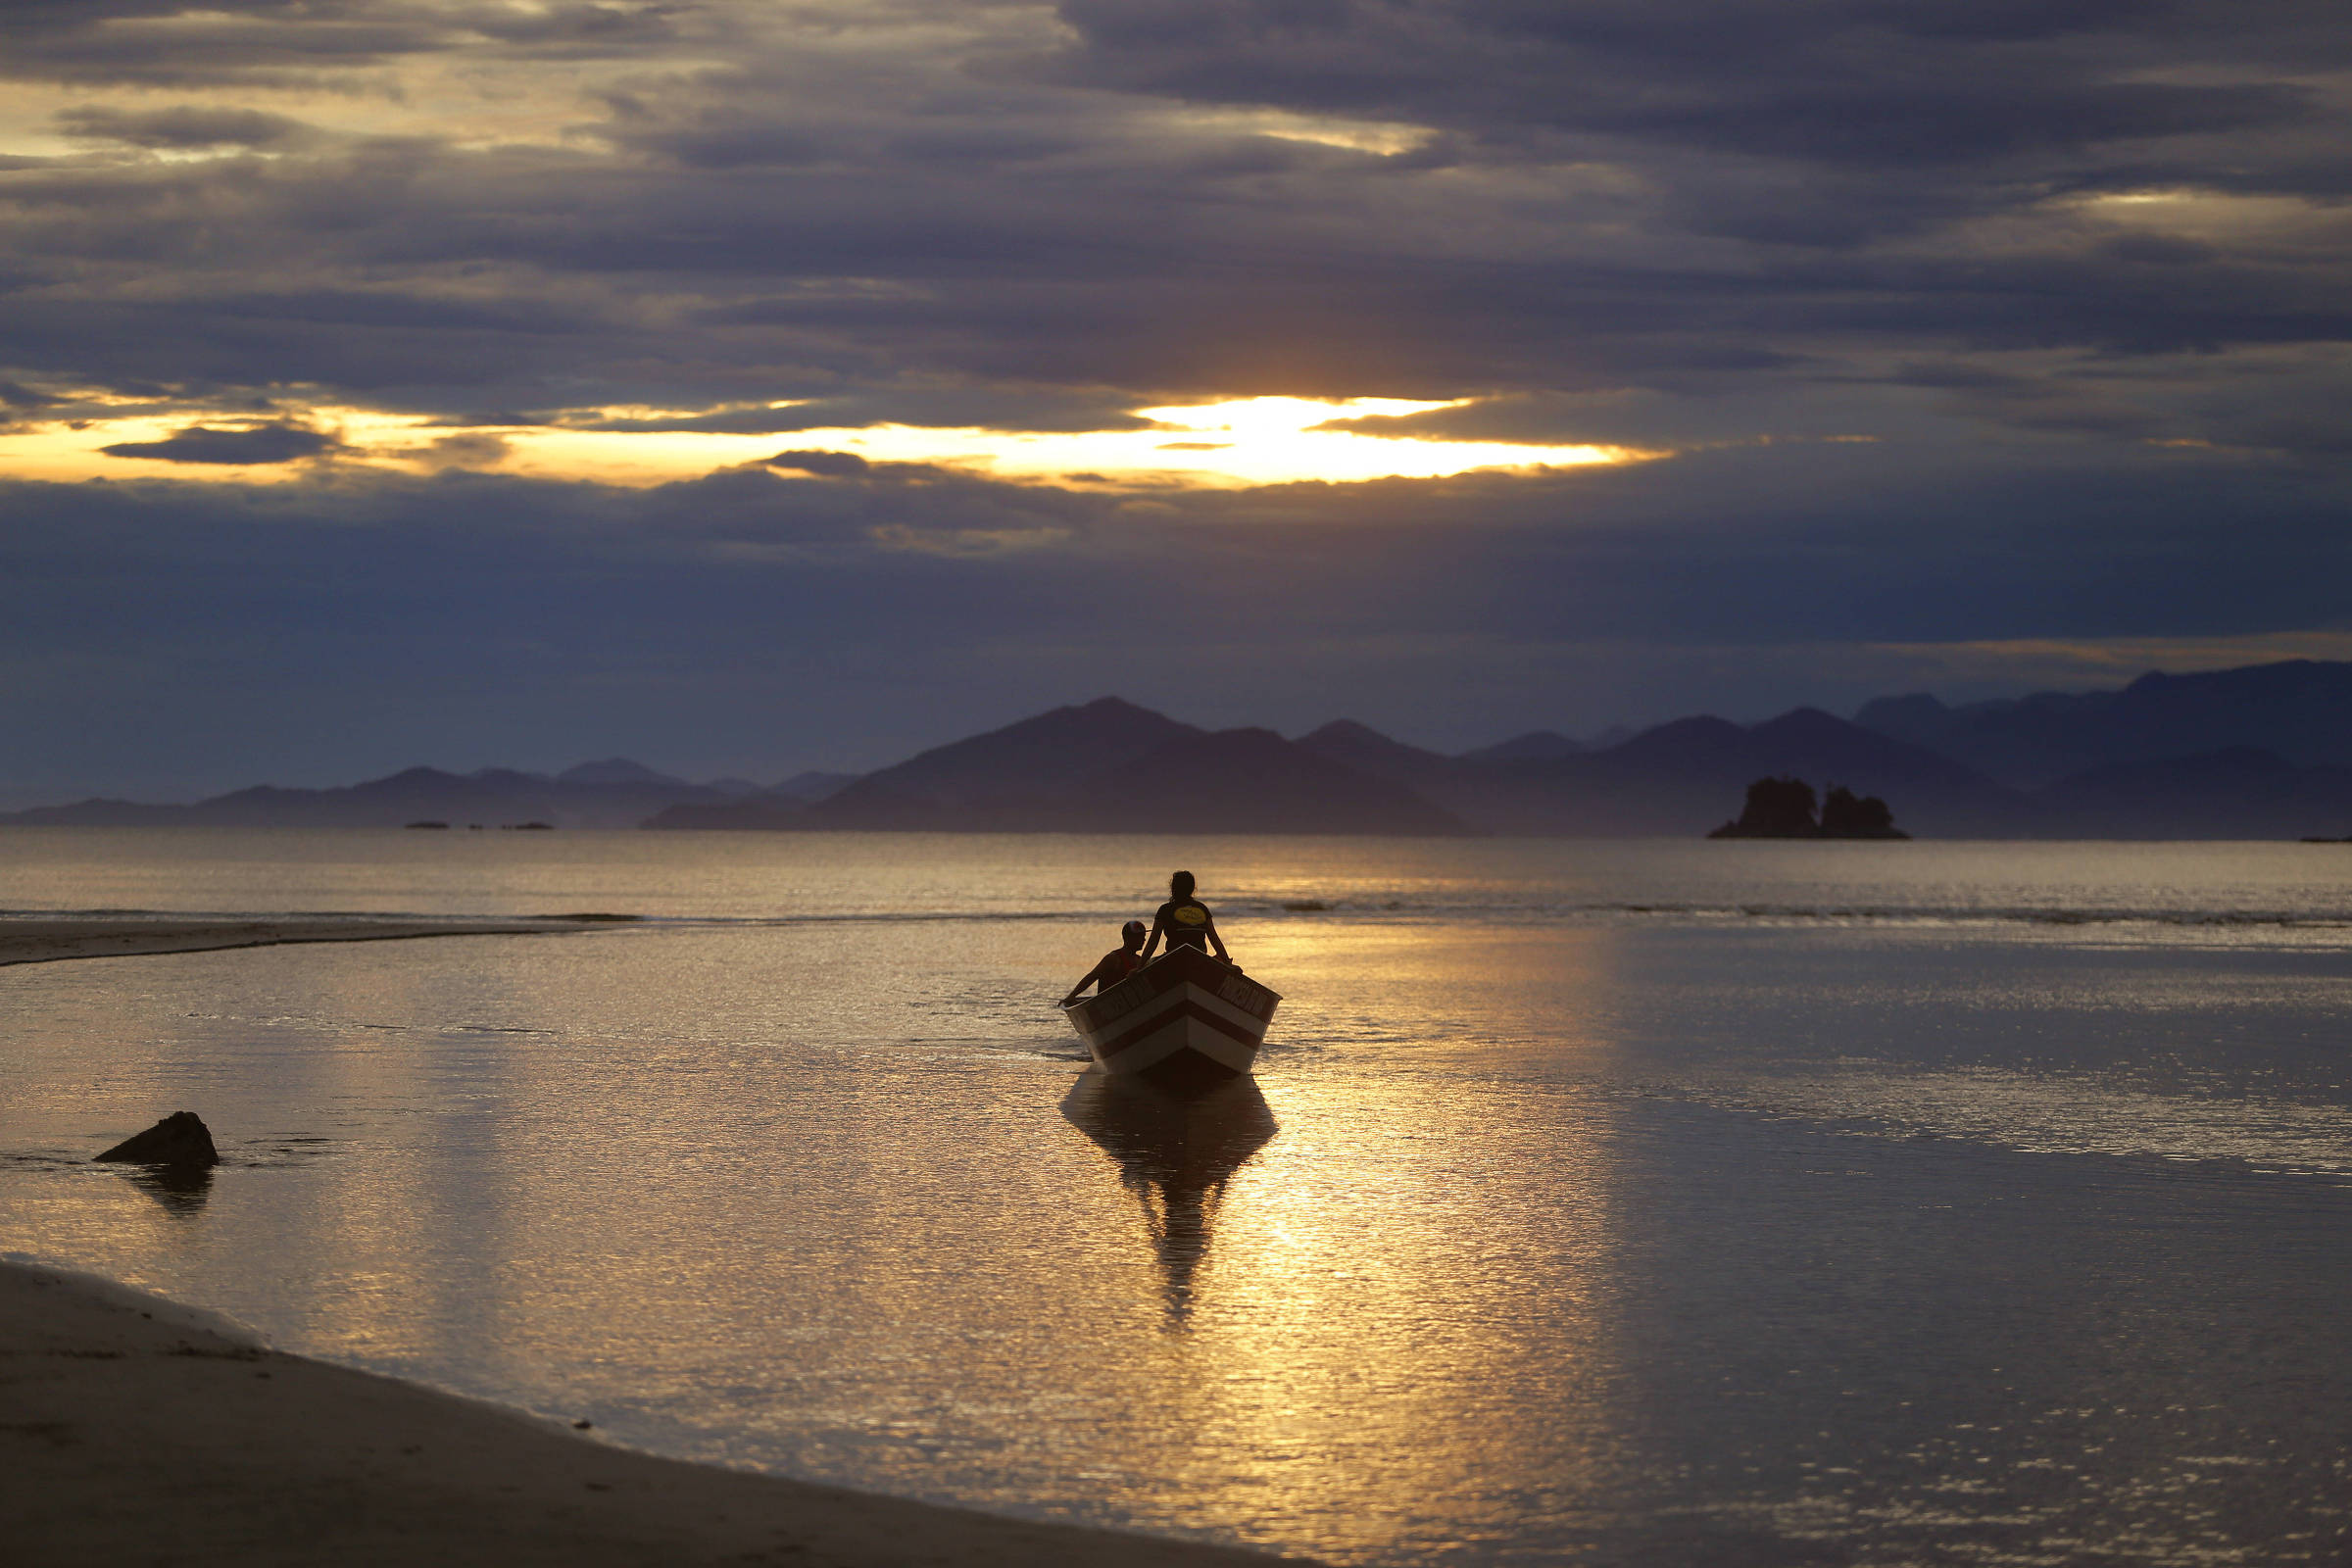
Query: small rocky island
[{"x": 1784, "y": 808}]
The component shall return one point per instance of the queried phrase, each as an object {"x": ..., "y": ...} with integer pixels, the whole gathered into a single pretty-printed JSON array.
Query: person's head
[
  {"x": 1181, "y": 885},
  {"x": 1133, "y": 934}
]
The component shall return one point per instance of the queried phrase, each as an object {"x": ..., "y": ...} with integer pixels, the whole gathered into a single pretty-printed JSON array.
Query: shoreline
[
  {"x": 48, "y": 939},
  {"x": 129, "y": 1424}
]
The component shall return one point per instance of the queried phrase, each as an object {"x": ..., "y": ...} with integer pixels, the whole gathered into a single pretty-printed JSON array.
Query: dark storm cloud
[
  {"x": 17, "y": 401},
  {"x": 1678, "y": 197},
  {"x": 17, "y": 395},
  {"x": 262, "y": 443},
  {"x": 829, "y": 465},
  {"x": 1835, "y": 80},
  {"x": 282, "y": 43},
  {"x": 187, "y": 125},
  {"x": 158, "y": 44}
]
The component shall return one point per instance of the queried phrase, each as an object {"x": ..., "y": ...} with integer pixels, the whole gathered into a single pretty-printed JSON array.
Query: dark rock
[
  {"x": 1847, "y": 816},
  {"x": 1782, "y": 808},
  {"x": 1777, "y": 808},
  {"x": 180, "y": 1139}
]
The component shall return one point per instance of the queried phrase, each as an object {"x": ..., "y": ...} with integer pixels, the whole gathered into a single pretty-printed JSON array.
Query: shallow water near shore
[{"x": 1622, "y": 1202}]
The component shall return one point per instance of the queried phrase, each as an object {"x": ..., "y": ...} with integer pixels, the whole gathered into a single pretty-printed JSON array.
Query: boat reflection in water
[{"x": 1176, "y": 1151}]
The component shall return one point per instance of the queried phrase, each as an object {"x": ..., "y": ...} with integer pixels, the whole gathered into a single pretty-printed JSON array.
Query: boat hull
[{"x": 1185, "y": 1020}]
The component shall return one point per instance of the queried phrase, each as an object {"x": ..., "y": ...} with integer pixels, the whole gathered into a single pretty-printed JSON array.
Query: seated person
[
  {"x": 1115, "y": 965},
  {"x": 1185, "y": 921}
]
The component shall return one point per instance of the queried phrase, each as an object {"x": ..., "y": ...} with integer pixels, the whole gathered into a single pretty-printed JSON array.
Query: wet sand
[
  {"x": 134, "y": 1431},
  {"x": 40, "y": 939}
]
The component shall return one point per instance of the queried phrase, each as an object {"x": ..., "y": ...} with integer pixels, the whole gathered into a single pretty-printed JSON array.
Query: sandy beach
[
  {"x": 42, "y": 939},
  {"x": 134, "y": 1431}
]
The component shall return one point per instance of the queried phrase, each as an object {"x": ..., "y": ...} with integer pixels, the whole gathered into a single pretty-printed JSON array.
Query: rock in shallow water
[{"x": 180, "y": 1139}]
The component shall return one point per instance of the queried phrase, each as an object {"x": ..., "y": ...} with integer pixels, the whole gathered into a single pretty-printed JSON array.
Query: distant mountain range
[
  {"x": 2301, "y": 711},
  {"x": 1106, "y": 767},
  {"x": 612, "y": 794},
  {"x": 2263, "y": 751},
  {"x": 1685, "y": 777}
]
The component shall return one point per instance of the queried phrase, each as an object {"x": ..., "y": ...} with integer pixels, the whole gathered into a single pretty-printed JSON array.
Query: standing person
[
  {"x": 1116, "y": 966},
  {"x": 1185, "y": 921}
]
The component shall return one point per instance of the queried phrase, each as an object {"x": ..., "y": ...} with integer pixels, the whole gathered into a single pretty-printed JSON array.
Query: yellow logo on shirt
[{"x": 1193, "y": 915}]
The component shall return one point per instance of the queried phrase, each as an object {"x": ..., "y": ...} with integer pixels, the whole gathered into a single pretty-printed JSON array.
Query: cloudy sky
[{"x": 746, "y": 385}]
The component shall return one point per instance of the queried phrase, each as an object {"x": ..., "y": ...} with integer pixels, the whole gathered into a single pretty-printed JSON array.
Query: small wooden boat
[{"x": 1181, "y": 1020}]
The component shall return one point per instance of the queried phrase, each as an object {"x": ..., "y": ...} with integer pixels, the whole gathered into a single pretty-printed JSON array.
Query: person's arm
[
  {"x": 1159, "y": 922},
  {"x": 1093, "y": 978},
  {"x": 1215, "y": 941}
]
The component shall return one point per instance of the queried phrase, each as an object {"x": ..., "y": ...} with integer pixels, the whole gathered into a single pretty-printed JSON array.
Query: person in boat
[
  {"x": 1185, "y": 922},
  {"x": 1116, "y": 966}
]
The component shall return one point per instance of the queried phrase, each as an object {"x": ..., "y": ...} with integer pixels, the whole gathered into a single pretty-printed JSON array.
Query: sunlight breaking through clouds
[{"x": 1237, "y": 442}]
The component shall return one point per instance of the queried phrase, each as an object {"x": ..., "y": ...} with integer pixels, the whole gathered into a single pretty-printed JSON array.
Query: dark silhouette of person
[
  {"x": 1116, "y": 966},
  {"x": 1185, "y": 922}
]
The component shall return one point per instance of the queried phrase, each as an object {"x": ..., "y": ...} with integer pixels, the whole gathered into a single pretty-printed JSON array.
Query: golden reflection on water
[
  {"x": 1479, "y": 1262},
  {"x": 1343, "y": 1264},
  {"x": 1175, "y": 1154}
]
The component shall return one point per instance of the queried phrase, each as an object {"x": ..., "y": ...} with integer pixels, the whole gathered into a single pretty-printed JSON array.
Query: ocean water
[{"x": 1623, "y": 1203}]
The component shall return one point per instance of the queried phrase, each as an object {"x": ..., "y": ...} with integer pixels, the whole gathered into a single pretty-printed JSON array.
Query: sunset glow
[{"x": 1241, "y": 441}]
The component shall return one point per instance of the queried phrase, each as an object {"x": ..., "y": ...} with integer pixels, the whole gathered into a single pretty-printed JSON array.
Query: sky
[{"x": 745, "y": 387}]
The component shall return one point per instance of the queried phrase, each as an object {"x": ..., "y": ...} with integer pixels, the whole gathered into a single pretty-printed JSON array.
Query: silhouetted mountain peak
[
  {"x": 614, "y": 770},
  {"x": 1537, "y": 745},
  {"x": 813, "y": 786},
  {"x": 1897, "y": 716},
  {"x": 1041, "y": 758},
  {"x": 2222, "y": 765},
  {"x": 1685, "y": 738},
  {"x": 1253, "y": 780},
  {"x": 2300, "y": 709},
  {"x": 1367, "y": 751},
  {"x": 1804, "y": 725},
  {"x": 1106, "y": 709},
  {"x": 506, "y": 779}
]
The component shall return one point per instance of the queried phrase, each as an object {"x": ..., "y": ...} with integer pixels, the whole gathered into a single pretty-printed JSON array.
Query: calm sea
[{"x": 1657, "y": 1203}]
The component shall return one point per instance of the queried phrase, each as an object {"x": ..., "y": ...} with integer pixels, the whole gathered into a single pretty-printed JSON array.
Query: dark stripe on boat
[{"x": 1187, "y": 1008}]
